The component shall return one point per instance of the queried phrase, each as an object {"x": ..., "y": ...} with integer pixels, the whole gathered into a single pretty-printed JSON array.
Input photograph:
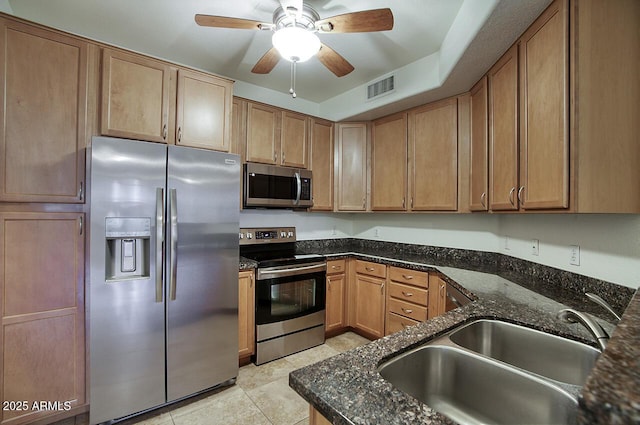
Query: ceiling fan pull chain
[{"x": 292, "y": 90}]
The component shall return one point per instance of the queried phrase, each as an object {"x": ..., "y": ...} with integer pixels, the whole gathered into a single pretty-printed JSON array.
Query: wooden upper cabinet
[
  {"x": 351, "y": 160},
  {"x": 321, "y": 164},
  {"x": 263, "y": 133},
  {"x": 479, "y": 148},
  {"x": 544, "y": 119},
  {"x": 433, "y": 149},
  {"x": 135, "y": 97},
  {"x": 44, "y": 114},
  {"x": 503, "y": 132},
  {"x": 294, "y": 140},
  {"x": 203, "y": 111},
  {"x": 389, "y": 163}
]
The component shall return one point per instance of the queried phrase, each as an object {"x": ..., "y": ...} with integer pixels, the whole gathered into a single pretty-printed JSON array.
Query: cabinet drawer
[
  {"x": 397, "y": 323},
  {"x": 406, "y": 309},
  {"x": 371, "y": 269},
  {"x": 411, "y": 277},
  {"x": 336, "y": 266},
  {"x": 408, "y": 293}
]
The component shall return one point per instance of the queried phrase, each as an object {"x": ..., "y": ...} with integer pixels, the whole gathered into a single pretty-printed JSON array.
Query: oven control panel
[{"x": 264, "y": 235}]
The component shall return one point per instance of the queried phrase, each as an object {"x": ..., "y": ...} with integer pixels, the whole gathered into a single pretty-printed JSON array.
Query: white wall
[
  {"x": 609, "y": 244},
  {"x": 5, "y": 7}
]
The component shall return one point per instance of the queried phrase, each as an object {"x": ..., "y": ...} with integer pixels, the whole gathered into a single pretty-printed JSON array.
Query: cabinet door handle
[
  {"x": 408, "y": 310},
  {"x": 442, "y": 290},
  {"x": 382, "y": 288},
  {"x": 412, "y": 202},
  {"x": 283, "y": 157},
  {"x": 407, "y": 294},
  {"x": 81, "y": 225},
  {"x": 81, "y": 191},
  {"x": 520, "y": 194},
  {"x": 513, "y": 189},
  {"x": 482, "y": 200},
  {"x": 403, "y": 202},
  {"x": 164, "y": 132},
  {"x": 179, "y": 134}
]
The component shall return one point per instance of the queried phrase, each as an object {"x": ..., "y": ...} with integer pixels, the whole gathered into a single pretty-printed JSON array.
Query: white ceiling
[{"x": 166, "y": 29}]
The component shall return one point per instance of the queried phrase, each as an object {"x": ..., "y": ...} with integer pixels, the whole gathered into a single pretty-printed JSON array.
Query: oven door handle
[{"x": 291, "y": 271}]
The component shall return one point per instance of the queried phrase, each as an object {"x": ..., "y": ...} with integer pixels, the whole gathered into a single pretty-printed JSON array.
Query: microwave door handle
[{"x": 299, "y": 186}]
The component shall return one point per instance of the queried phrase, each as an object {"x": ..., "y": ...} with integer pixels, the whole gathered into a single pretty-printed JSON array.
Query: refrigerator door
[
  {"x": 202, "y": 269},
  {"x": 127, "y": 320}
]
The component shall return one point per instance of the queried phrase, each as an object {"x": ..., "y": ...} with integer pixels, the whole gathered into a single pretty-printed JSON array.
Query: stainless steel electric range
[{"x": 290, "y": 293}]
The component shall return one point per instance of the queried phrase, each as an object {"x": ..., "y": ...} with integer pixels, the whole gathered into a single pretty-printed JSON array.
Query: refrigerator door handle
[
  {"x": 173, "y": 254},
  {"x": 159, "y": 241},
  {"x": 299, "y": 188}
]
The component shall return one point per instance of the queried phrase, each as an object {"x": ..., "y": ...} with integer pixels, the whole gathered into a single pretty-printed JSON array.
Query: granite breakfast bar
[{"x": 347, "y": 389}]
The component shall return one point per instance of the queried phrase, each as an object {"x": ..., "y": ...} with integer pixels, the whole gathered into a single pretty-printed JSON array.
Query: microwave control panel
[{"x": 265, "y": 235}]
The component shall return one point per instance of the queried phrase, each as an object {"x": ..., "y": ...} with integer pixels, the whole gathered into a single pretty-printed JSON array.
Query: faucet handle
[{"x": 598, "y": 300}]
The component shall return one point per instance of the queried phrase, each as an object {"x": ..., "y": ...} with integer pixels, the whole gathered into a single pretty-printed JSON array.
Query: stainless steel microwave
[{"x": 268, "y": 186}]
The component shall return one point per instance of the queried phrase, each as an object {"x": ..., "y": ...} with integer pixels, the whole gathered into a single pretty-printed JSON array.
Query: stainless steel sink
[
  {"x": 548, "y": 355},
  {"x": 471, "y": 389}
]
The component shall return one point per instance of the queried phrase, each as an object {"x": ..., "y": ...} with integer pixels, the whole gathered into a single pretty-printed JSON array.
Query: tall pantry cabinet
[{"x": 47, "y": 112}]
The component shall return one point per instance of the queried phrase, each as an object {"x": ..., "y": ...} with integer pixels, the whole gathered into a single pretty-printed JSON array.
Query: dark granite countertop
[
  {"x": 247, "y": 264},
  {"x": 347, "y": 389}
]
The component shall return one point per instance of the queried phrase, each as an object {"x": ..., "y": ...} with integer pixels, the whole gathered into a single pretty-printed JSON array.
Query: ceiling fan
[{"x": 295, "y": 26}]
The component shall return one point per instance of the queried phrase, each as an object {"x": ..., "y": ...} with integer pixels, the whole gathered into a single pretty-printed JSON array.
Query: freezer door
[
  {"x": 202, "y": 269},
  {"x": 127, "y": 338}
]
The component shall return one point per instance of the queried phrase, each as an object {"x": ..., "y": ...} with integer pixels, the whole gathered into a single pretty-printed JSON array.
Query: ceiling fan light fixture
[{"x": 296, "y": 44}]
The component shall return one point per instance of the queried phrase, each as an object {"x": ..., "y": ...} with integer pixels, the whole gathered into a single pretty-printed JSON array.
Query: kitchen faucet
[
  {"x": 598, "y": 300},
  {"x": 573, "y": 316}
]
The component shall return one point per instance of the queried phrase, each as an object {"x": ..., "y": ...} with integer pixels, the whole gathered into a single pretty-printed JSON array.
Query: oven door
[{"x": 290, "y": 292}]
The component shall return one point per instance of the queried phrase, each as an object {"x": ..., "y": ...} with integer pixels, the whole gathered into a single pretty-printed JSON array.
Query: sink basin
[
  {"x": 548, "y": 355},
  {"x": 471, "y": 389}
]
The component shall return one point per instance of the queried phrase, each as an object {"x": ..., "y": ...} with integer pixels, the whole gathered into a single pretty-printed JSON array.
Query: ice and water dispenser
[{"x": 127, "y": 253}]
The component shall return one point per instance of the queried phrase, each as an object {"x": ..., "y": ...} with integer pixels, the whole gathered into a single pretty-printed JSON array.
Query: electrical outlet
[
  {"x": 376, "y": 233},
  {"x": 507, "y": 243},
  {"x": 574, "y": 252},
  {"x": 535, "y": 247},
  {"x": 334, "y": 231}
]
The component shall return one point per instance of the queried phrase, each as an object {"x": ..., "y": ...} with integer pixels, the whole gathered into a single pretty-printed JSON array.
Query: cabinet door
[
  {"x": 263, "y": 133},
  {"x": 294, "y": 142},
  {"x": 246, "y": 314},
  {"x": 437, "y": 296},
  {"x": 203, "y": 111},
  {"x": 334, "y": 313},
  {"x": 544, "y": 120},
  {"x": 479, "y": 148},
  {"x": 351, "y": 158},
  {"x": 503, "y": 132},
  {"x": 135, "y": 97},
  {"x": 369, "y": 300},
  {"x": 44, "y": 108},
  {"x": 433, "y": 146},
  {"x": 322, "y": 164},
  {"x": 42, "y": 301},
  {"x": 389, "y": 163}
]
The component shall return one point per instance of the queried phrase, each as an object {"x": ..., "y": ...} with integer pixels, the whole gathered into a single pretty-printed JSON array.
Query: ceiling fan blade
[
  {"x": 333, "y": 61},
  {"x": 226, "y": 22},
  {"x": 365, "y": 21},
  {"x": 267, "y": 62}
]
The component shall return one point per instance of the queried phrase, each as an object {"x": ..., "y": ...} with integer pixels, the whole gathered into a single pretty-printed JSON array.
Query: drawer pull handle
[
  {"x": 407, "y": 294},
  {"x": 408, "y": 310},
  {"x": 369, "y": 269},
  {"x": 334, "y": 267},
  {"x": 407, "y": 276}
]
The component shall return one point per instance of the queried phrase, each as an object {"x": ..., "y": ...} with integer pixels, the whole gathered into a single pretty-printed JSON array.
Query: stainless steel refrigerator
[{"x": 163, "y": 276}]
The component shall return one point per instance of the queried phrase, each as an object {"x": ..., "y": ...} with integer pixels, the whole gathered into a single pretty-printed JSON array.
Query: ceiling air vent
[{"x": 381, "y": 87}]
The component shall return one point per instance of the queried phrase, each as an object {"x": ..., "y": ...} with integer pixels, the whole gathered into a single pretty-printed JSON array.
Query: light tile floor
[{"x": 261, "y": 395}]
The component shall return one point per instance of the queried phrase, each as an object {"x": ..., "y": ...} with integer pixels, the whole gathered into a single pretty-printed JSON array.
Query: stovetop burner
[{"x": 272, "y": 247}]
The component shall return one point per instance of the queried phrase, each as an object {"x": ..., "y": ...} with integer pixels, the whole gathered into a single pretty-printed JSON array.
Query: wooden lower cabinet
[
  {"x": 335, "y": 318},
  {"x": 246, "y": 314},
  {"x": 437, "y": 295},
  {"x": 316, "y": 418},
  {"x": 407, "y": 298},
  {"x": 43, "y": 315},
  {"x": 367, "y": 298}
]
